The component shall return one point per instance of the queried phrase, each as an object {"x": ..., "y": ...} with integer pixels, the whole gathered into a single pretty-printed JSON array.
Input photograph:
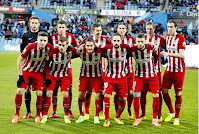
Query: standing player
[
  {"x": 115, "y": 76},
  {"x": 28, "y": 38},
  {"x": 175, "y": 70},
  {"x": 153, "y": 39},
  {"x": 91, "y": 73},
  {"x": 99, "y": 39},
  {"x": 61, "y": 29},
  {"x": 145, "y": 73},
  {"x": 59, "y": 59},
  {"x": 122, "y": 30},
  {"x": 35, "y": 55}
]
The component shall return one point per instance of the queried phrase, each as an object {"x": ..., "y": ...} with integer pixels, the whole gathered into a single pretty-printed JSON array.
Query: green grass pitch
[{"x": 9, "y": 76}]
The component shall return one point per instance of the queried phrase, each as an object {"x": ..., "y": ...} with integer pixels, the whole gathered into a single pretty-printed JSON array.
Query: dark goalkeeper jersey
[{"x": 29, "y": 38}]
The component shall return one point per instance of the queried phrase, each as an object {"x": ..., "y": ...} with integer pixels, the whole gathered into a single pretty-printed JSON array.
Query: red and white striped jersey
[
  {"x": 91, "y": 65},
  {"x": 35, "y": 57},
  {"x": 59, "y": 62},
  {"x": 129, "y": 62},
  {"x": 116, "y": 60},
  {"x": 160, "y": 42},
  {"x": 145, "y": 66},
  {"x": 102, "y": 40},
  {"x": 71, "y": 39},
  {"x": 173, "y": 44}
]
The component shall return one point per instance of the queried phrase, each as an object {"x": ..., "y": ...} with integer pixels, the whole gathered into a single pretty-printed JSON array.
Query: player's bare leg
[
  {"x": 71, "y": 115},
  {"x": 168, "y": 102},
  {"x": 47, "y": 102},
  {"x": 66, "y": 105},
  {"x": 155, "y": 109},
  {"x": 116, "y": 102},
  {"x": 18, "y": 102},
  {"x": 137, "y": 96},
  {"x": 81, "y": 101},
  {"x": 38, "y": 106}
]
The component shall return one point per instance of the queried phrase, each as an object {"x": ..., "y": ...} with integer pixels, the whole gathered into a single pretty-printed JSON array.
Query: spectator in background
[
  {"x": 43, "y": 25},
  {"x": 15, "y": 34},
  {"x": 181, "y": 23},
  {"x": 47, "y": 25},
  {"x": 8, "y": 34}
]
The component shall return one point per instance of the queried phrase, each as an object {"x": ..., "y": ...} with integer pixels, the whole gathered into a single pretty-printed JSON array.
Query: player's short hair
[
  {"x": 34, "y": 17},
  {"x": 174, "y": 22},
  {"x": 42, "y": 33},
  {"x": 122, "y": 23},
  {"x": 116, "y": 34},
  {"x": 140, "y": 35},
  {"x": 63, "y": 39},
  {"x": 90, "y": 40},
  {"x": 61, "y": 22},
  {"x": 94, "y": 26},
  {"x": 150, "y": 23}
]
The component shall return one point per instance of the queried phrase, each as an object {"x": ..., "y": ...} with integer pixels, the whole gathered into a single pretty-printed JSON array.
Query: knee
[
  {"x": 20, "y": 91},
  {"x": 124, "y": 99},
  {"x": 65, "y": 94},
  {"x": 49, "y": 93},
  {"x": 165, "y": 91},
  {"x": 107, "y": 95},
  {"x": 179, "y": 93},
  {"x": 137, "y": 94},
  {"x": 98, "y": 96},
  {"x": 39, "y": 93},
  {"x": 81, "y": 95},
  {"x": 156, "y": 95}
]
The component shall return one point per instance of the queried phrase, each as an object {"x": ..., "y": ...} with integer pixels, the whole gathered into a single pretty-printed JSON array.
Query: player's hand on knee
[
  {"x": 47, "y": 82},
  {"x": 20, "y": 80}
]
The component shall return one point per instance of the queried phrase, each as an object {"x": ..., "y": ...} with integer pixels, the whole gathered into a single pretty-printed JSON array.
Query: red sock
[
  {"x": 168, "y": 102},
  {"x": 116, "y": 102},
  {"x": 97, "y": 107},
  {"x": 160, "y": 104},
  {"x": 46, "y": 104},
  {"x": 39, "y": 105},
  {"x": 101, "y": 102},
  {"x": 70, "y": 95},
  {"x": 106, "y": 107},
  {"x": 178, "y": 103},
  {"x": 121, "y": 108},
  {"x": 87, "y": 102},
  {"x": 136, "y": 106},
  {"x": 143, "y": 103},
  {"x": 66, "y": 105},
  {"x": 155, "y": 107},
  {"x": 130, "y": 100},
  {"x": 54, "y": 100},
  {"x": 81, "y": 107},
  {"x": 18, "y": 102}
]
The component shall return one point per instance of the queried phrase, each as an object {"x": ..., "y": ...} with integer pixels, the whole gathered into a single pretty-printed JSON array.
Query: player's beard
[
  {"x": 34, "y": 29},
  {"x": 116, "y": 46}
]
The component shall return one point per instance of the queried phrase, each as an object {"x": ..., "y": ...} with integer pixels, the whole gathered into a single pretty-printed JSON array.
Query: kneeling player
[
  {"x": 145, "y": 72},
  {"x": 59, "y": 58},
  {"x": 91, "y": 73},
  {"x": 35, "y": 55}
]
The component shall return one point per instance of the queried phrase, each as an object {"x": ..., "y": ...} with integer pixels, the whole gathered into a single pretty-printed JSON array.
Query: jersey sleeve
[
  {"x": 24, "y": 43},
  {"x": 162, "y": 42},
  {"x": 74, "y": 41},
  {"x": 84, "y": 41},
  {"x": 26, "y": 51},
  {"x": 182, "y": 43}
]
